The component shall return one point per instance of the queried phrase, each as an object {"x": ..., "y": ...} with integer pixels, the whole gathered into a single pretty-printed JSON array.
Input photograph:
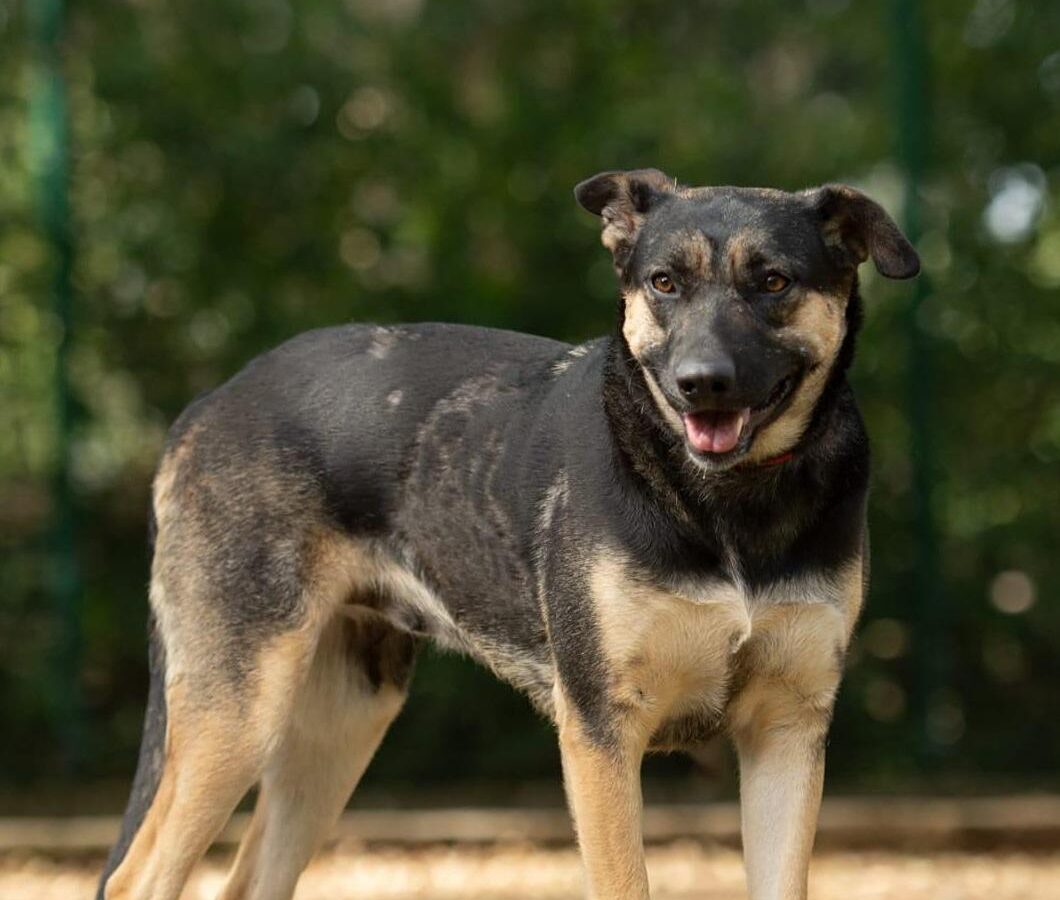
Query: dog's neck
[{"x": 656, "y": 455}]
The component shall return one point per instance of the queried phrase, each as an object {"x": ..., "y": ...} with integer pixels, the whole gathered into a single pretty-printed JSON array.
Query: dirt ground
[{"x": 679, "y": 871}]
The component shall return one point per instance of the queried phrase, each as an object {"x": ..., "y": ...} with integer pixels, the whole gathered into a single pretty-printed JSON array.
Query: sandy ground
[{"x": 680, "y": 871}]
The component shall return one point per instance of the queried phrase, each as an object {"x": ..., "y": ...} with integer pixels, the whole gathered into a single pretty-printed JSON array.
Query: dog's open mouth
[
  {"x": 721, "y": 431},
  {"x": 716, "y": 432}
]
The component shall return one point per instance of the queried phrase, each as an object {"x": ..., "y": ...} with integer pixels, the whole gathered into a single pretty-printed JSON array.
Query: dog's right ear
[{"x": 622, "y": 200}]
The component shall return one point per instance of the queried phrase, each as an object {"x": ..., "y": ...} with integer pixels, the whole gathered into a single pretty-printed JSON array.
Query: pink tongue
[{"x": 715, "y": 432}]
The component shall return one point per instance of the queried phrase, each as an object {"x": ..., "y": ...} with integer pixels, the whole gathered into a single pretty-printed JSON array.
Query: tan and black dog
[{"x": 659, "y": 536}]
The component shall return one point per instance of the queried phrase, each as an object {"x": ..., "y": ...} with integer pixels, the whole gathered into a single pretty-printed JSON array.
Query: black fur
[
  {"x": 492, "y": 465},
  {"x": 452, "y": 478}
]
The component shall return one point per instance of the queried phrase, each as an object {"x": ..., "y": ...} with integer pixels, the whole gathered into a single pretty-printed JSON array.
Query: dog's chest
[{"x": 676, "y": 658}]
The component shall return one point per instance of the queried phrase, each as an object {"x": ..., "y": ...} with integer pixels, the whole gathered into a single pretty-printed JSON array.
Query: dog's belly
[
  {"x": 686, "y": 732},
  {"x": 382, "y": 585}
]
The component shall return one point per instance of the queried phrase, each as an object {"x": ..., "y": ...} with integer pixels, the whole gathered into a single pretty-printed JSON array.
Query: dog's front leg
[
  {"x": 781, "y": 772},
  {"x": 779, "y": 722},
  {"x": 602, "y": 776}
]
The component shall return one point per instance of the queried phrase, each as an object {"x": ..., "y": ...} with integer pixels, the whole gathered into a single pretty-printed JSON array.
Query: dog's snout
[{"x": 700, "y": 379}]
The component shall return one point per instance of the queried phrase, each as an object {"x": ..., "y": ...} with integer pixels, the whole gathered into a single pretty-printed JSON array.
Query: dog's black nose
[{"x": 697, "y": 380}]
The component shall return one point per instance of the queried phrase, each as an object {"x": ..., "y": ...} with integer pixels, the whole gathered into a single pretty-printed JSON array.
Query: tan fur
[
  {"x": 620, "y": 226},
  {"x": 335, "y": 728},
  {"x": 669, "y": 653},
  {"x": 620, "y": 219},
  {"x": 794, "y": 656},
  {"x": 662, "y": 404},
  {"x": 138, "y": 856},
  {"x": 175, "y": 580},
  {"x": 164, "y": 494},
  {"x": 643, "y": 334},
  {"x": 819, "y": 325},
  {"x": 741, "y": 247},
  {"x": 303, "y": 718},
  {"x": 220, "y": 733},
  {"x": 672, "y": 651},
  {"x": 639, "y": 326},
  {"x": 781, "y": 775},
  {"x": 696, "y": 253},
  {"x": 135, "y": 876},
  {"x": 779, "y": 721},
  {"x": 800, "y": 634},
  {"x": 603, "y": 787},
  {"x": 216, "y": 746}
]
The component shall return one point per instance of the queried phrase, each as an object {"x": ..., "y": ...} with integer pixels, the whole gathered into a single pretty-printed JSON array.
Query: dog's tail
[{"x": 152, "y": 753}]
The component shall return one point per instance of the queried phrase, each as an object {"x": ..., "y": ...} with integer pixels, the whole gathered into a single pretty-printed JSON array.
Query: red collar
[{"x": 778, "y": 460}]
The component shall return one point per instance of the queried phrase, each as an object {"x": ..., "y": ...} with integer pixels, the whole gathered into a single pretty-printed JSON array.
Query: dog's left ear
[
  {"x": 622, "y": 200},
  {"x": 858, "y": 228}
]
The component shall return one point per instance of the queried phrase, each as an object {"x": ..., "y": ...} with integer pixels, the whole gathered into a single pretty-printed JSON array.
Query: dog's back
[{"x": 343, "y": 408}]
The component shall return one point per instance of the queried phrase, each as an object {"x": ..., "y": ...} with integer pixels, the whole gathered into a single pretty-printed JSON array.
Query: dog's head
[{"x": 735, "y": 299}]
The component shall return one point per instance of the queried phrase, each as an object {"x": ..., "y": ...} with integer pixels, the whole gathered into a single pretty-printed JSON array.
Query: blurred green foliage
[{"x": 243, "y": 170}]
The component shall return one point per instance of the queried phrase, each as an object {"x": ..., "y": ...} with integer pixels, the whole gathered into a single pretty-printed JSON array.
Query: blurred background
[{"x": 185, "y": 184}]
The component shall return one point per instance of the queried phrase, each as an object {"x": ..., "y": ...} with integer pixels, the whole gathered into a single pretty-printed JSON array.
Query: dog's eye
[
  {"x": 775, "y": 283},
  {"x": 663, "y": 283}
]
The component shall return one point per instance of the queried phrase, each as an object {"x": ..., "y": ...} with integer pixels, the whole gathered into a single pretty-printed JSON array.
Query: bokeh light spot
[
  {"x": 1012, "y": 592},
  {"x": 886, "y": 638},
  {"x": 1017, "y": 201}
]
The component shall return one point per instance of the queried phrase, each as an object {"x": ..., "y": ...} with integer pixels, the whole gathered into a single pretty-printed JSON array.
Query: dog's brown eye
[
  {"x": 663, "y": 283},
  {"x": 775, "y": 282}
]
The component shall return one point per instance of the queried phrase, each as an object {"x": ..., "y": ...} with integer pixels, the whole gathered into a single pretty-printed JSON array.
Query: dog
[{"x": 659, "y": 536}]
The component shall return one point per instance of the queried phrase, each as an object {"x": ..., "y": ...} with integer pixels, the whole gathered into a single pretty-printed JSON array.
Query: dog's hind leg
[
  {"x": 230, "y": 685},
  {"x": 356, "y": 686},
  {"x": 219, "y": 734}
]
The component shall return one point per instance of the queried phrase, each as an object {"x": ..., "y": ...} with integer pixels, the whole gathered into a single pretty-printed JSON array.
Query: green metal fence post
[
  {"x": 49, "y": 155},
  {"x": 914, "y": 142}
]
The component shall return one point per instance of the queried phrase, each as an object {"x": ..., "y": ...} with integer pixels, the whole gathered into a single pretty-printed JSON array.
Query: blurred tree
[{"x": 246, "y": 169}]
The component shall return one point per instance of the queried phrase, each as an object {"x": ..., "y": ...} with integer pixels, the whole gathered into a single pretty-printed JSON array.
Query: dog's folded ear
[
  {"x": 622, "y": 199},
  {"x": 856, "y": 228}
]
